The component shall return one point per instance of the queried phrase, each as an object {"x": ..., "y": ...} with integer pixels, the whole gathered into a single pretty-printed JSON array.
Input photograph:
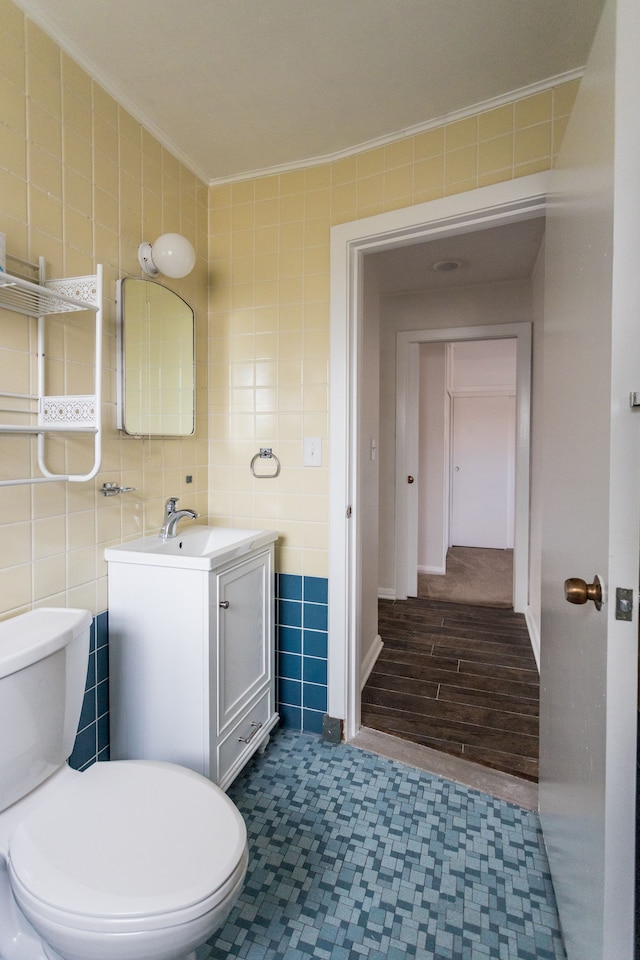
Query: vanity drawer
[{"x": 245, "y": 738}]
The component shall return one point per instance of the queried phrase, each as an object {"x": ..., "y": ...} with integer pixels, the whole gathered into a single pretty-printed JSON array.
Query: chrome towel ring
[{"x": 265, "y": 453}]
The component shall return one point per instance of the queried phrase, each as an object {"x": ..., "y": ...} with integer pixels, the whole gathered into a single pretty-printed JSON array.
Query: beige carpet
[{"x": 477, "y": 575}]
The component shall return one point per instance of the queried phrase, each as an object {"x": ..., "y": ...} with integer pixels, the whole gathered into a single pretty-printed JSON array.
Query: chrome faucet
[{"x": 168, "y": 529}]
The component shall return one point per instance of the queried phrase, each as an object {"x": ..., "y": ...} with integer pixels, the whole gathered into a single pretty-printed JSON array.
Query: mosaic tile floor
[{"x": 356, "y": 856}]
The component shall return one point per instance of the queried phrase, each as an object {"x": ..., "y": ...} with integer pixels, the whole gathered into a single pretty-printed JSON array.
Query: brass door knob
[{"x": 579, "y": 591}]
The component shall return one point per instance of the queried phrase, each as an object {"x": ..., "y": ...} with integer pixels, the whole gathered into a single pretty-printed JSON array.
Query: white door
[
  {"x": 482, "y": 476},
  {"x": 590, "y": 500}
]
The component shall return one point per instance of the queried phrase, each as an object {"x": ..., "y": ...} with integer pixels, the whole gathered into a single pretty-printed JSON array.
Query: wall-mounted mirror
[{"x": 156, "y": 368}]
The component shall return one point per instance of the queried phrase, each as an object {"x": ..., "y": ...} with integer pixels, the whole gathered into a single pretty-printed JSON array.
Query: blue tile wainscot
[
  {"x": 92, "y": 740},
  {"x": 301, "y": 651}
]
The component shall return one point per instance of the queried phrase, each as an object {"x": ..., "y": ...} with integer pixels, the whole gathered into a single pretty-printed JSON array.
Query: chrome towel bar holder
[{"x": 265, "y": 453}]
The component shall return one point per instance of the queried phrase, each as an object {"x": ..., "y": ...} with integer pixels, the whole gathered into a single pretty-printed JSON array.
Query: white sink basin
[{"x": 195, "y": 548}]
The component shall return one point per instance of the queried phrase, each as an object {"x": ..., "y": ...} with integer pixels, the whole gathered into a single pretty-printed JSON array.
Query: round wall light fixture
[{"x": 171, "y": 254}]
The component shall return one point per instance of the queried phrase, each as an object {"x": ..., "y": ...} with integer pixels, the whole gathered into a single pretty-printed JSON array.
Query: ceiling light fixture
[
  {"x": 171, "y": 254},
  {"x": 446, "y": 266}
]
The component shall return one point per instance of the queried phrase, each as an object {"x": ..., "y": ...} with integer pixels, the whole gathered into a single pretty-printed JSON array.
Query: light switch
[{"x": 312, "y": 452}]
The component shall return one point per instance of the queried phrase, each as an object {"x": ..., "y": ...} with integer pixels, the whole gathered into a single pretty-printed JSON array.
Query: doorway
[
  {"x": 351, "y": 592},
  {"x": 406, "y": 539},
  {"x": 425, "y": 688},
  {"x": 466, "y": 480}
]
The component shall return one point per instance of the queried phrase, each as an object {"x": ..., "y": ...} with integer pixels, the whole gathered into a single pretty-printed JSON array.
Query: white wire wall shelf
[{"x": 39, "y": 413}]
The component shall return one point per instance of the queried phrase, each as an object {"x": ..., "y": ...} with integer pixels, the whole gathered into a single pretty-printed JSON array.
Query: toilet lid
[{"x": 129, "y": 839}]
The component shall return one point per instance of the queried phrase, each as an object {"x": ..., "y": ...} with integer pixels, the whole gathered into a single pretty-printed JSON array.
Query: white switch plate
[{"x": 312, "y": 452}]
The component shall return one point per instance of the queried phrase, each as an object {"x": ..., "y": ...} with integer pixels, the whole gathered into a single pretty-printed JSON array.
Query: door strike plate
[{"x": 624, "y": 603}]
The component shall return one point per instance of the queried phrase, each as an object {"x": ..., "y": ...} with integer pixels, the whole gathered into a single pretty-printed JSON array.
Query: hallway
[
  {"x": 481, "y": 576},
  {"x": 457, "y": 678}
]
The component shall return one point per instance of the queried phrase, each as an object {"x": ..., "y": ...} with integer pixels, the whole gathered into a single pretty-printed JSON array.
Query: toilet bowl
[{"x": 128, "y": 860}]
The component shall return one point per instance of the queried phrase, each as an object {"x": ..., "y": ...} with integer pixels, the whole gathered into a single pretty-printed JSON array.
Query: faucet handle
[{"x": 171, "y": 505}]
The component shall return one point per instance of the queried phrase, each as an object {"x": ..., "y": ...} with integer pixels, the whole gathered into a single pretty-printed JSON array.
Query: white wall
[
  {"x": 432, "y": 476},
  {"x": 475, "y": 305},
  {"x": 478, "y": 366}
]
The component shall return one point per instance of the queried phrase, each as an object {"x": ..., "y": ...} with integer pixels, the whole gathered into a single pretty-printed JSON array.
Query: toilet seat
[{"x": 129, "y": 845}]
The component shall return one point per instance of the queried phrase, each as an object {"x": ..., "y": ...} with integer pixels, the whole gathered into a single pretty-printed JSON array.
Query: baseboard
[
  {"x": 433, "y": 571},
  {"x": 534, "y": 636},
  {"x": 386, "y": 593},
  {"x": 370, "y": 660}
]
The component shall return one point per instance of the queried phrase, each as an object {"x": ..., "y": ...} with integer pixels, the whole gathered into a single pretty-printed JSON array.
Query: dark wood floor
[{"x": 457, "y": 678}]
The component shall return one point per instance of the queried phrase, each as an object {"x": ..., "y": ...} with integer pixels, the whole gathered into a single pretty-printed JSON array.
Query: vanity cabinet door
[{"x": 245, "y": 637}]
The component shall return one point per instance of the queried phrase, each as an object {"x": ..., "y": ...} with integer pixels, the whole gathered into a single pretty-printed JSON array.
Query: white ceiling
[
  {"x": 498, "y": 254},
  {"x": 235, "y": 87}
]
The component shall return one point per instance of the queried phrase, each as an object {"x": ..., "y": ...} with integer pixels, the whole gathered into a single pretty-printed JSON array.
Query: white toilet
[{"x": 129, "y": 860}]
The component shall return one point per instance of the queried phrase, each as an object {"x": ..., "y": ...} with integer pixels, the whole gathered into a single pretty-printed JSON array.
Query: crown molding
[{"x": 413, "y": 131}]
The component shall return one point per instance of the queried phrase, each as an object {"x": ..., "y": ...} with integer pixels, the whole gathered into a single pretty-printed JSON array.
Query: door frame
[
  {"x": 407, "y": 446},
  {"x": 508, "y": 202}
]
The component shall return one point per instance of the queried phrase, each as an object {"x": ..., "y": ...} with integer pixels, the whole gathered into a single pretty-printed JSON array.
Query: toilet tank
[{"x": 43, "y": 667}]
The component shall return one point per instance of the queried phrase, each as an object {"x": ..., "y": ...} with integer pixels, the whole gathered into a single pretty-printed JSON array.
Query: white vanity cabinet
[
  {"x": 191, "y": 653},
  {"x": 243, "y": 661}
]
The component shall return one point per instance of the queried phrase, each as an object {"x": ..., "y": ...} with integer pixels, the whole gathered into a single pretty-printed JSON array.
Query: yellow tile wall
[
  {"x": 81, "y": 182},
  {"x": 269, "y": 304}
]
